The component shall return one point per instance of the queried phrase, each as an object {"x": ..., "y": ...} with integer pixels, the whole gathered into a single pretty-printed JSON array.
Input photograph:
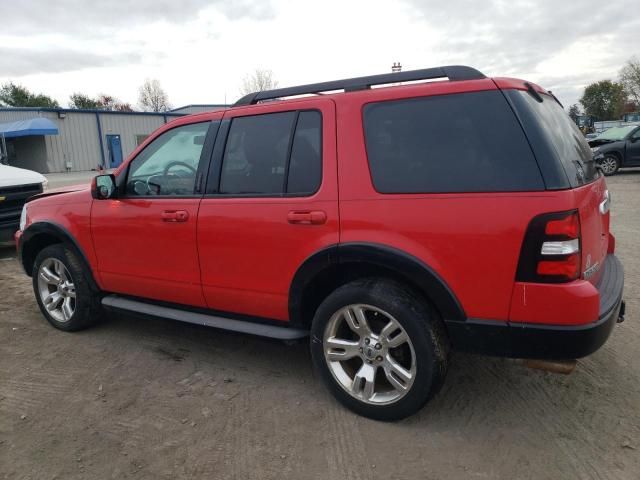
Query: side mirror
[{"x": 103, "y": 187}]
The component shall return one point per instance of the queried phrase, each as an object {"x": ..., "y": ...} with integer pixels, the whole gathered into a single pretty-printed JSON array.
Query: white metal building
[
  {"x": 76, "y": 140},
  {"x": 199, "y": 108}
]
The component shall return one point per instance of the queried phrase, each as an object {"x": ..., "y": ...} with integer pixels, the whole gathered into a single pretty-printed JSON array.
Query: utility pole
[{"x": 396, "y": 67}]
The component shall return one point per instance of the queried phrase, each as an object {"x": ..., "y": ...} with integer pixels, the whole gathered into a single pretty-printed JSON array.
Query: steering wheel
[{"x": 181, "y": 164}]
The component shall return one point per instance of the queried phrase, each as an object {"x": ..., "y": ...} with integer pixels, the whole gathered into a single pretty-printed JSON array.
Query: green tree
[
  {"x": 82, "y": 101},
  {"x": 630, "y": 79},
  {"x": 101, "y": 102},
  {"x": 604, "y": 99},
  {"x": 574, "y": 111},
  {"x": 12, "y": 95}
]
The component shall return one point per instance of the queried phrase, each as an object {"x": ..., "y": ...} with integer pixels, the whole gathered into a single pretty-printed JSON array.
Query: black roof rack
[{"x": 453, "y": 72}]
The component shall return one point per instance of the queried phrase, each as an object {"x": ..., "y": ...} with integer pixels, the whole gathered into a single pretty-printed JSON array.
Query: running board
[{"x": 262, "y": 330}]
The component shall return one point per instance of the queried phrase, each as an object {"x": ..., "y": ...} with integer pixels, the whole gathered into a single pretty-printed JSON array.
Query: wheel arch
[
  {"x": 337, "y": 265},
  {"x": 40, "y": 235},
  {"x": 614, "y": 153}
]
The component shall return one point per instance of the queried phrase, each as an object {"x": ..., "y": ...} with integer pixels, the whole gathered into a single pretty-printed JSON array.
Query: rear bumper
[{"x": 522, "y": 340}]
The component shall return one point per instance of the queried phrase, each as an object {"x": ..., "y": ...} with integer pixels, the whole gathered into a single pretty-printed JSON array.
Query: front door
[
  {"x": 145, "y": 239},
  {"x": 633, "y": 149},
  {"x": 115, "y": 150},
  {"x": 271, "y": 203}
]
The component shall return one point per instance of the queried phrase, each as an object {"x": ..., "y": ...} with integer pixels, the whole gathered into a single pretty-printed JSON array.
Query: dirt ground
[{"x": 163, "y": 400}]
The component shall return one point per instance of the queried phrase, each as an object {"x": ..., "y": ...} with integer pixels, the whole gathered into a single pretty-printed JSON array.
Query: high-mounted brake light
[{"x": 551, "y": 249}]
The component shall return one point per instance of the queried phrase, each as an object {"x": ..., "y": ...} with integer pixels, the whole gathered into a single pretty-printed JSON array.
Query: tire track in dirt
[{"x": 346, "y": 456}]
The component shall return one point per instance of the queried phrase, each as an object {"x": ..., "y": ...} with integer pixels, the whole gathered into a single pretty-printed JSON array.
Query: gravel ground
[{"x": 156, "y": 399}]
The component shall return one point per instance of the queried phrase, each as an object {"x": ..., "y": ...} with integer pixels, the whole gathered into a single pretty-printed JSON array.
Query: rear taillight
[{"x": 551, "y": 249}]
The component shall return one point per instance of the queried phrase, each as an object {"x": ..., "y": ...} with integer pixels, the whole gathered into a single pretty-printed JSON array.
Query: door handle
[
  {"x": 316, "y": 217},
  {"x": 175, "y": 216}
]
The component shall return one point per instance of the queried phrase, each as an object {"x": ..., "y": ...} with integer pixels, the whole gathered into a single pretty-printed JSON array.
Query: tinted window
[
  {"x": 169, "y": 164},
  {"x": 260, "y": 152},
  {"x": 562, "y": 134},
  {"x": 255, "y": 157},
  {"x": 305, "y": 169},
  {"x": 468, "y": 142}
]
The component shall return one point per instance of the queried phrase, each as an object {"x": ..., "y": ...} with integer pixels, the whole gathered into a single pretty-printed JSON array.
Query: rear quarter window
[
  {"x": 560, "y": 147},
  {"x": 470, "y": 142}
]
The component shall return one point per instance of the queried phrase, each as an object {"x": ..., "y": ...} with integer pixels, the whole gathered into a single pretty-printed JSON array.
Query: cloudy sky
[{"x": 201, "y": 49}]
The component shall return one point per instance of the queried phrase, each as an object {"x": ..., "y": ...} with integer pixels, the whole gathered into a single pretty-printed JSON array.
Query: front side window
[
  {"x": 169, "y": 164},
  {"x": 273, "y": 154}
]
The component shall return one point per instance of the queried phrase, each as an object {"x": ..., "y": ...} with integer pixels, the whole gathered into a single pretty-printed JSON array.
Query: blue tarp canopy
[{"x": 33, "y": 126}]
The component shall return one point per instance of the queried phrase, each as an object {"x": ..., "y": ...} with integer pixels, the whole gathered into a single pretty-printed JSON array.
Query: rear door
[{"x": 271, "y": 202}]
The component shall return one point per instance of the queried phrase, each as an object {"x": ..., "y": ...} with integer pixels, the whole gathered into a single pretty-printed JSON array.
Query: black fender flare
[
  {"x": 51, "y": 229},
  {"x": 403, "y": 265}
]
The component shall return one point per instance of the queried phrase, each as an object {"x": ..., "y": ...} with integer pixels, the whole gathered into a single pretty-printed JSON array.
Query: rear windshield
[
  {"x": 562, "y": 134},
  {"x": 469, "y": 142}
]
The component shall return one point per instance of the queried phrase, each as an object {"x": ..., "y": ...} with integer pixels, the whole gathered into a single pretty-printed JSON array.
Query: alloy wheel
[
  {"x": 609, "y": 165},
  {"x": 57, "y": 290},
  {"x": 369, "y": 354}
]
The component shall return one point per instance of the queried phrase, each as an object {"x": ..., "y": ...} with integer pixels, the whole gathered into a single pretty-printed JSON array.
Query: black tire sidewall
[
  {"x": 427, "y": 337},
  {"x": 86, "y": 309}
]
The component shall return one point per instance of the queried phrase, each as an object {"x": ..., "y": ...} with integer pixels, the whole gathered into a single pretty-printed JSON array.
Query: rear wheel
[
  {"x": 63, "y": 290},
  {"x": 379, "y": 348},
  {"x": 610, "y": 165}
]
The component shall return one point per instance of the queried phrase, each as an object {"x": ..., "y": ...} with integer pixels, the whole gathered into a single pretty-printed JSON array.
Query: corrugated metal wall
[
  {"x": 190, "y": 109},
  {"x": 128, "y": 126},
  {"x": 77, "y": 141}
]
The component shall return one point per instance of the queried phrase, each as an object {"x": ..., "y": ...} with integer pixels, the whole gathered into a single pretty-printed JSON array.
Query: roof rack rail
[{"x": 453, "y": 72}]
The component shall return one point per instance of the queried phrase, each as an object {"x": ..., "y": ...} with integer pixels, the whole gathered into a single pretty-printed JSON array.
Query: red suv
[{"x": 390, "y": 225}]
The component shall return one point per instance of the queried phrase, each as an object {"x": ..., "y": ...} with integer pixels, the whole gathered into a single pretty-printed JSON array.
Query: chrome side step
[{"x": 262, "y": 330}]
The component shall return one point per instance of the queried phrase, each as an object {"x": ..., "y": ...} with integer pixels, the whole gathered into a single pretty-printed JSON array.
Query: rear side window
[
  {"x": 273, "y": 154},
  {"x": 470, "y": 142},
  {"x": 305, "y": 170}
]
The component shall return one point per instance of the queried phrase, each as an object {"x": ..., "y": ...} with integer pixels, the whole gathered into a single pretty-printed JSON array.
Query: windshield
[{"x": 616, "y": 133}]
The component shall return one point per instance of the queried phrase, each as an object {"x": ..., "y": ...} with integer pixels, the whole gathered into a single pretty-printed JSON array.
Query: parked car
[
  {"x": 16, "y": 186},
  {"x": 390, "y": 225},
  {"x": 618, "y": 147}
]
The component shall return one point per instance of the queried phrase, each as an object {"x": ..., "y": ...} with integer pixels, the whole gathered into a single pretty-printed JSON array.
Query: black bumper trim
[{"x": 551, "y": 342}]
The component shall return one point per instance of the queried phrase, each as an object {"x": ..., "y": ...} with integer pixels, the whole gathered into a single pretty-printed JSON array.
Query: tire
[
  {"x": 60, "y": 276},
  {"x": 610, "y": 165},
  {"x": 342, "y": 353}
]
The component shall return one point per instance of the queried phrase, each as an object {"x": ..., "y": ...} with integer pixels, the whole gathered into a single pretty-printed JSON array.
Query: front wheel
[
  {"x": 610, "y": 165},
  {"x": 379, "y": 348},
  {"x": 63, "y": 291}
]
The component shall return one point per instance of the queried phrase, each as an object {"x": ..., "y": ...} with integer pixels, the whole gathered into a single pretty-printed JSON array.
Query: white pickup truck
[{"x": 16, "y": 186}]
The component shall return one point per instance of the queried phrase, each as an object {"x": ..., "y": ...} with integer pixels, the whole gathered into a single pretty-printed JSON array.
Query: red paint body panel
[
  {"x": 249, "y": 252},
  {"x": 140, "y": 254},
  {"x": 72, "y": 211},
  {"x": 574, "y": 303}
]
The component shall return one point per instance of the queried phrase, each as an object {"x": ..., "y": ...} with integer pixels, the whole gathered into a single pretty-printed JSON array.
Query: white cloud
[{"x": 201, "y": 50}]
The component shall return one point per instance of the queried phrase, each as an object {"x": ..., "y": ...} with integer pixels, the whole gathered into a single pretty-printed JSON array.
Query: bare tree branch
[
  {"x": 630, "y": 79},
  {"x": 152, "y": 97},
  {"x": 258, "y": 81}
]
